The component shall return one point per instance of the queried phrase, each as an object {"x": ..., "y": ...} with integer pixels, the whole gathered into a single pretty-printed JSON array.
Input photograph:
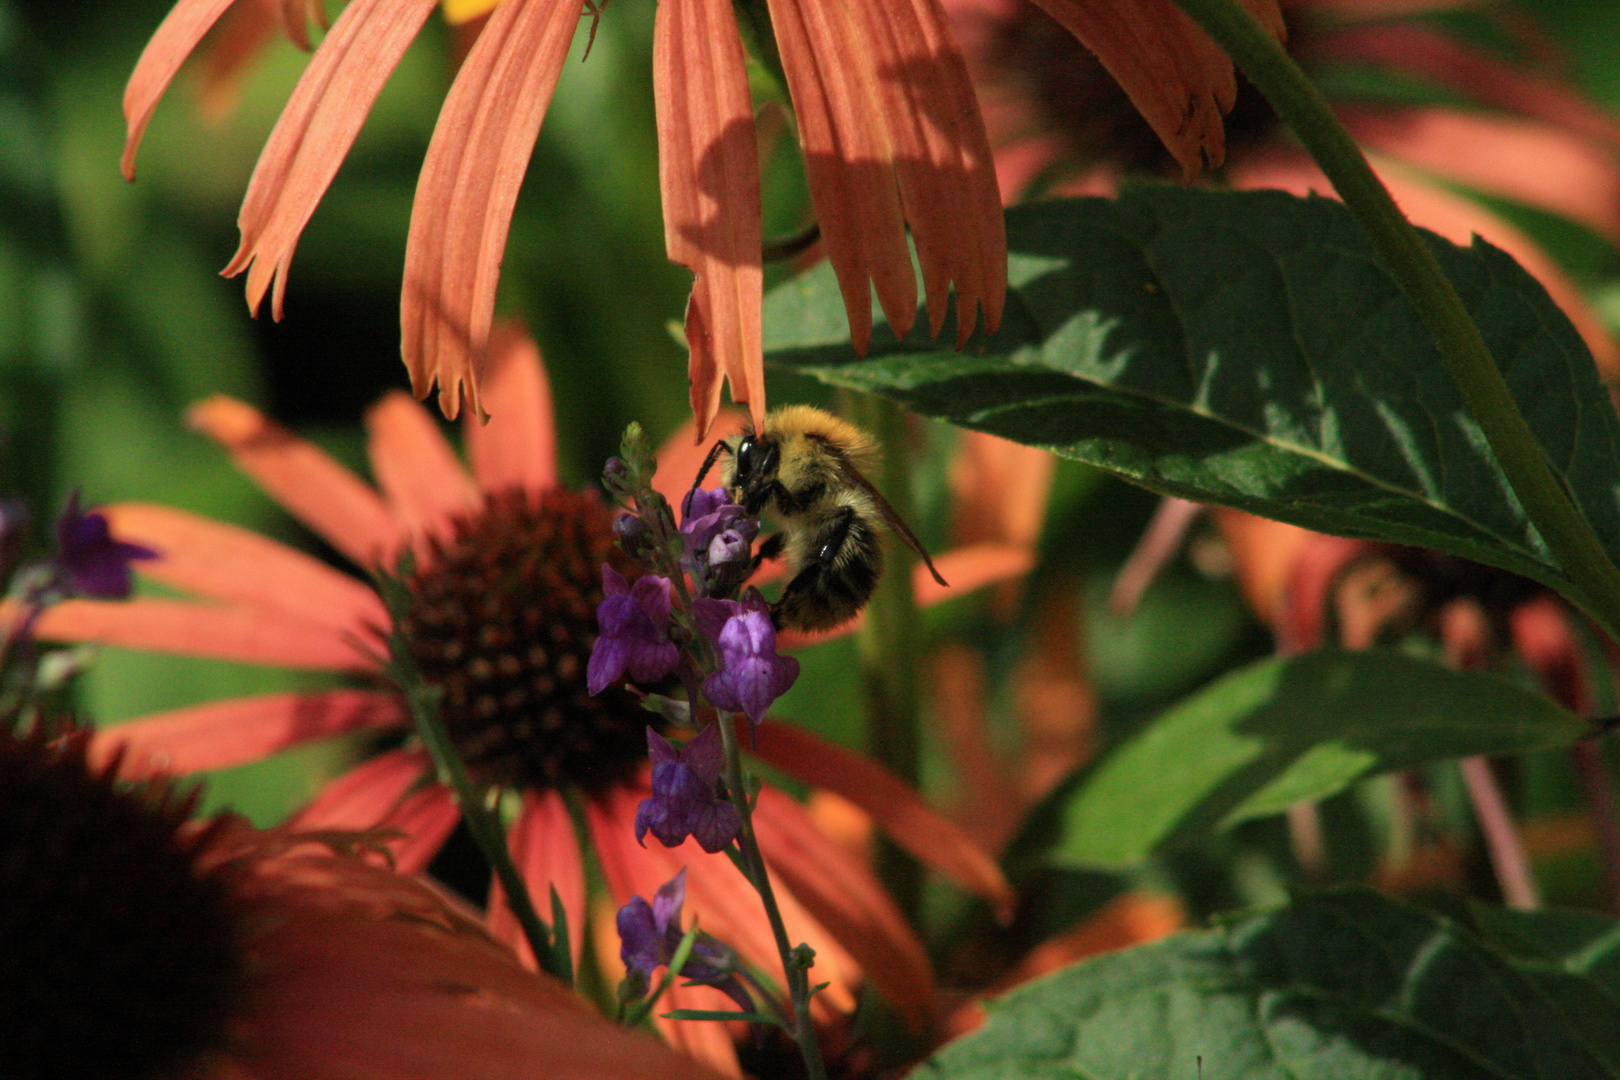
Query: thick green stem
[
  {"x": 1594, "y": 581},
  {"x": 796, "y": 973},
  {"x": 889, "y": 643}
]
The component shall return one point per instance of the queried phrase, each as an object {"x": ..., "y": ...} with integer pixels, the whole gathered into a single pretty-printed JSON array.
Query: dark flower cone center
[
  {"x": 503, "y": 619},
  {"x": 116, "y": 958}
]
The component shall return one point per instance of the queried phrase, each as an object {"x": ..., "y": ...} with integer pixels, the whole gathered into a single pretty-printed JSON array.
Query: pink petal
[
  {"x": 1532, "y": 162},
  {"x": 842, "y": 894},
  {"x": 420, "y": 476},
  {"x": 225, "y": 633},
  {"x": 708, "y": 171},
  {"x": 224, "y": 562},
  {"x": 315, "y": 131},
  {"x": 517, "y": 448},
  {"x": 897, "y": 809},
  {"x": 239, "y": 38},
  {"x": 469, "y": 183},
  {"x": 1457, "y": 219},
  {"x": 547, "y": 855},
  {"x": 174, "y": 40},
  {"x": 832, "y": 75},
  {"x": 226, "y": 733},
  {"x": 302, "y": 477}
]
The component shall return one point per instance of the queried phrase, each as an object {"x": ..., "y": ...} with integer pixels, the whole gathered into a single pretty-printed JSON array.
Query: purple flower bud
[
  {"x": 634, "y": 623},
  {"x": 751, "y": 674},
  {"x": 89, "y": 562},
  {"x": 649, "y": 934},
  {"x": 685, "y": 799}
]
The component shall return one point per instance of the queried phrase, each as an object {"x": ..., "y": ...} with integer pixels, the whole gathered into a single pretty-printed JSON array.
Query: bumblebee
[{"x": 806, "y": 467}]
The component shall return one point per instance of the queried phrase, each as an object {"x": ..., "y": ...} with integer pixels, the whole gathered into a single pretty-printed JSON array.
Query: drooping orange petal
[
  {"x": 941, "y": 159},
  {"x": 1178, "y": 79},
  {"x": 708, "y": 172},
  {"x": 241, "y": 36},
  {"x": 226, "y": 633},
  {"x": 315, "y": 489},
  {"x": 897, "y": 809},
  {"x": 842, "y": 893},
  {"x": 226, "y": 733},
  {"x": 224, "y": 562},
  {"x": 419, "y": 474},
  {"x": 517, "y": 448},
  {"x": 547, "y": 855},
  {"x": 832, "y": 76},
  {"x": 1529, "y": 161},
  {"x": 464, "y": 197},
  {"x": 178, "y": 34},
  {"x": 1457, "y": 219},
  {"x": 315, "y": 131}
]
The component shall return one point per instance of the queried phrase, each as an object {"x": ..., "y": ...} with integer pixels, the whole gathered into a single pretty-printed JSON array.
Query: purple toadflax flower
[
  {"x": 716, "y": 533},
  {"x": 649, "y": 934},
  {"x": 685, "y": 799},
  {"x": 89, "y": 561},
  {"x": 634, "y": 624},
  {"x": 751, "y": 674}
]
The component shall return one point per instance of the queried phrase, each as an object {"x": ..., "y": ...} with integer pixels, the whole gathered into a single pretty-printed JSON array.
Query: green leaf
[
  {"x": 1286, "y": 730},
  {"x": 1348, "y": 985},
  {"x": 1247, "y": 349}
]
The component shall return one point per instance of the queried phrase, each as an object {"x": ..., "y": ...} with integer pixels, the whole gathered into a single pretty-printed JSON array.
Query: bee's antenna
[{"x": 708, "y": 462}]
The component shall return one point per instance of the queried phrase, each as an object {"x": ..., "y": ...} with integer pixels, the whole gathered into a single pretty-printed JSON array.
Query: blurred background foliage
[{"x": 113, "y": 319}]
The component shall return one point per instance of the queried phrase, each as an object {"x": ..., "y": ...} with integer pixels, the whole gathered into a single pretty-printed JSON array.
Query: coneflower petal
[
  {"x": 222, "y": 734},
  {"x": 174, "y": 40},
  {"x": 708, "y": 171},
  {"x": 518, "y": 447},
  {"x": 469, "y": 184},
  {"x": 420, "y": 476},
  {"x": 315, "y": 131}
]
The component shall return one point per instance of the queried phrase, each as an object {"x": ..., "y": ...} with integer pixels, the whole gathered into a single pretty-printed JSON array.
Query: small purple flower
[
  {"x": 634, "y": 623},
  {"x": 751, "y": 674},
  {"x": 649, "y": 934},
  {"x": 685, "y": 799},
  {"x": 715, "y": 532},
  {"x": 89, "y": 562}
]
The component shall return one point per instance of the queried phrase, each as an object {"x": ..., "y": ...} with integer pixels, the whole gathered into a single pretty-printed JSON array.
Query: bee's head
[{"x": 754, "y": 461}]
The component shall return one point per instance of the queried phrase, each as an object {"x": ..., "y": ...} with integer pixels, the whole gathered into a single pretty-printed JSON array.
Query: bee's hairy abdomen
[{"x": 822, "y": 595}]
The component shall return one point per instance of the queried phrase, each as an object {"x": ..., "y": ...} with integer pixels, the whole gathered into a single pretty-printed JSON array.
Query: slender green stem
[
  {"x": 481, "y": 819},
  {"x": 796, "y": 972},
  {"x": 889, "y": 644},
  {"x": 1593, "y": 579}
]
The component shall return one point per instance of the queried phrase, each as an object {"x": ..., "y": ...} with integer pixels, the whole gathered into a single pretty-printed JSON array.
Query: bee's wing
[{"x": 890, "y": 518}]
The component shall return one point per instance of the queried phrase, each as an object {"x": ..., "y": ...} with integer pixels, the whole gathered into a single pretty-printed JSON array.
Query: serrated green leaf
[
  {"x": 1286, "y": 730},
  {"x": 1348, "y": 985},
  {"x": 1248, "y": 349}
]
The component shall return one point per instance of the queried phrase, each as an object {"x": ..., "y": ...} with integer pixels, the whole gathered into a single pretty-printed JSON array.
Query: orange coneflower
[
  {"x": 888, "y": 123},
  {"x": 503, "y": 620},
  {"x": 146, "y": 946}
]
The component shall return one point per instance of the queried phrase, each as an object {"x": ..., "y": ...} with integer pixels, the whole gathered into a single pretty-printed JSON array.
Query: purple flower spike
[
  {"x": 685, "y": 799},
  {"x": 89, "y": 562},
  {"x": 649, "y": 934},
  {"x": 634, "y": 621},
  {"x": 751, "y": 674}
]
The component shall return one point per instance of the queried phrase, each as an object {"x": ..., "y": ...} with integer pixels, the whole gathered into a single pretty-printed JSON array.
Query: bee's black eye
[{"x": 747, "y": 455}]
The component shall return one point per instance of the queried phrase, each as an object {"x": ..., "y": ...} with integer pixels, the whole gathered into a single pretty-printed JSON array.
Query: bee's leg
[
  {"x": 837, "y": 582},
  {"x": 769, "y": 548},
  {"x": 708, "y": 463}
]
